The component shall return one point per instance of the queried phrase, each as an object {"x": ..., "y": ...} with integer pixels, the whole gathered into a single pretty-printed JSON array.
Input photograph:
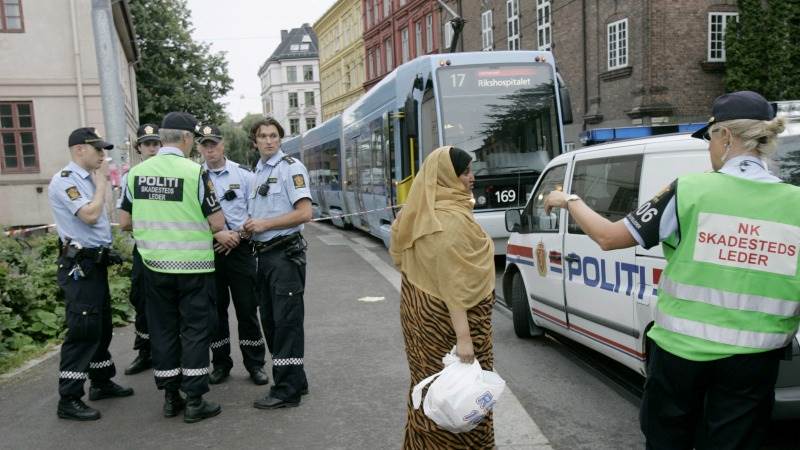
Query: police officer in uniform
[
  {"x": 280, "y": 203},
  {"x": 77, "y": 196},
  {"x": 235, "y": 269},
  {"x": 171, "y": 206},
  {"x": 727, "y": 300},
  {"x": 147, "y": 145}
]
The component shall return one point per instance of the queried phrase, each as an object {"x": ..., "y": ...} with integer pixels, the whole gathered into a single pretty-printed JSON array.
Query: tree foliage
[
  {"x": 176, "y": 73},
  {"x": 763, "y": 49},
  {"x": 237, "y": 140}
]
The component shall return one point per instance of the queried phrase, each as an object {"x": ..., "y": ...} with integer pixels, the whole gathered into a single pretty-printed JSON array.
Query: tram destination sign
[{"x": 461, "y": 80}]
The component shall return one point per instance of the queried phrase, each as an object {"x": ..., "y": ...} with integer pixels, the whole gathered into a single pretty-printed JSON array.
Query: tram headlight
[{"x": 481, "y": 200}]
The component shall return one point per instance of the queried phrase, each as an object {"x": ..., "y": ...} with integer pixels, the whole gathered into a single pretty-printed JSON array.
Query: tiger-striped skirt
[{"x": 428, "y": 334}]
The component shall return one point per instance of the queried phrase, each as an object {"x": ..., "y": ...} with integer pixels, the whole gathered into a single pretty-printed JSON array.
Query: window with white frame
[
  {"x": 291, "y": 74},
  {"x": 448, "y": 35},
  {"x": 387, "y": 8},
  {"x": 717, "y": 24},
  {"x": 404, "y": 40},
  {"x": 418, "y": 38},
  {"x": 487, "y": 34},
  {"x": 543, "y": 30},
  {"x": 429, "y": 33},
  {"x": 368, "y": 7},
  {"x": 618, "y": 44},
  {"x": 512, "y": 24},
  {"x": 389, "y": 55}
]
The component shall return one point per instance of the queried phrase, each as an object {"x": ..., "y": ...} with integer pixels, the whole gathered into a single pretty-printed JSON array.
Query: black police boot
[
  {"x": 198, "y": 409},
  {"x": 173, "y": 403},
  {"x": 218, "y": 375},
  {"x": 141, "y": 363},
  {"x": 270, "y": 402},
  {"x": 259, "y": 376},
  {"x": 75, "y": 409},
  {"x": 108, "y": 389}
]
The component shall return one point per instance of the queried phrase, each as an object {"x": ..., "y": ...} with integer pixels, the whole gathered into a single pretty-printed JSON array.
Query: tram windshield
[{"x": 505, "y": 115}]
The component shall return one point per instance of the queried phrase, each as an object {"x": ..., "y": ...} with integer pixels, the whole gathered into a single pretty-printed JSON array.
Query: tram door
[{"x": 352, "y": 188}]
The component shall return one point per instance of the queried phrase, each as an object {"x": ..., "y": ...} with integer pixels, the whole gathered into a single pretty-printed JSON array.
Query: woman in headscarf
[{"x": 447, "y": 293}]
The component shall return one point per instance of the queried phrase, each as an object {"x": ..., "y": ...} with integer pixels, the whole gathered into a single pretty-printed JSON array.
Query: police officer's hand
[
  {"x": 256, "y": 225},
  {"x": 227, "y": 240},
  {"x": 555, "y": 199},
  {"x": 100, "y": 175}
]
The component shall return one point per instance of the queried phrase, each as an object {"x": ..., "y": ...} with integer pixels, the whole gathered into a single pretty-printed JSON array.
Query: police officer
[
  {"x": 147, "y": 145},
  {"x": 236, "y": 269},
  {"x": 170, "y": 204},
  {"x": 77, "y": 196},
  {"x": 280, "y": 202},
  {"x": 727, "y": 300}
]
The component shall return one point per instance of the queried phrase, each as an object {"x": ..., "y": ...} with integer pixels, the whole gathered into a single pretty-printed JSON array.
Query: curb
[{"x": 30, "y": 364}]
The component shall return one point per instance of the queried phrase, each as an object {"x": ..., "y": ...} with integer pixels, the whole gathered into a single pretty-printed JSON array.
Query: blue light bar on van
[{"x": 600, "y": 135}]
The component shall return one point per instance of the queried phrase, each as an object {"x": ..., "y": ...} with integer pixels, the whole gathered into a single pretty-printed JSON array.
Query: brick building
[
  {"x": 625, "y": 62},
  {"x": 397, "y": 31}
]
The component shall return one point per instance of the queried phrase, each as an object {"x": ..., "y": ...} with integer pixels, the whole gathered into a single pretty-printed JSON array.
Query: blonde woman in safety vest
[{"x": 729, "y": 298}]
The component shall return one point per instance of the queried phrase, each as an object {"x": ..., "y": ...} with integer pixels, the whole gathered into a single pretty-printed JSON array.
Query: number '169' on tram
[{"x": 505, "y": 108}]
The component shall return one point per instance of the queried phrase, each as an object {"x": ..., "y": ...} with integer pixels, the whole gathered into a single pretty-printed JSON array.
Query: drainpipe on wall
[{"x": 76, "y": 50}]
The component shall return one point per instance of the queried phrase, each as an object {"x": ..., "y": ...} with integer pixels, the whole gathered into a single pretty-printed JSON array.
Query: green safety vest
[
  {"x": 171, "y": 233},
  {"x": 731, "y": 284}
]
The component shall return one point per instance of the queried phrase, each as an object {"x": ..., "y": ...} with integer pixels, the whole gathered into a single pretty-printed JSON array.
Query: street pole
[{"x": 108, "y": 71}]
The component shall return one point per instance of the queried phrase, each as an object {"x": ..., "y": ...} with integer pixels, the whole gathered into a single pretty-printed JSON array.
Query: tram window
[
  {"x": 350, "y": 163},
  {"x": 330, "y": 165},
  {"x": 377, "y": 158},
  {"x": 429, "y": 140},
  {"x": 365, "y": 163},
  {"x": 610, "y": 186}
]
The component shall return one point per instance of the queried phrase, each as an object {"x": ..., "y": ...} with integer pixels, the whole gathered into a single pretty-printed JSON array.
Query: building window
[
  {"x": 717, "y": 24},
  {"x": 487, "y": 34},
  {"x": 543, "y": 24},
  {"x": 389, "y": 55},
  {"x": 291, "y": 74},
  {"x": 346, "y": 77},
  {"x": 294, "y": 127},
  {"x": 11, "y": 16},
  {"x": 447, "y": 35},
  {"x": 293, "y": 100},
  {"x": 375, "y": 10},
  {"x": 378, "y": 57},
  {"x": 368, "y": 8},
  {"x": 308, "y": 73},
  {"x": 309, "y": 98},
  {"x": 618, "y": 44},
  {"x": 311, "y": 122},
  {"x": 18, "y": 137},
  {"x": 372, "y": 73},
  {"x": 429, "y": 33},
  {"x": 418, "y": 38},
  {"x": 402, "y": 2},
  {"x": 512, "y": 22},
  {"x": 387, "y": 8},
  {"x": 404, "y": 40}
]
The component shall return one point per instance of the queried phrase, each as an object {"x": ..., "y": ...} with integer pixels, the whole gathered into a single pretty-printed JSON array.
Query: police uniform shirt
[
  {"x": 234, "y": 178},
  {"x": 288, "y": 183},
  {"x": 70, "y": 190},
  {"x": 208, "y": 199},
  {"x": 661, "y": 214}
]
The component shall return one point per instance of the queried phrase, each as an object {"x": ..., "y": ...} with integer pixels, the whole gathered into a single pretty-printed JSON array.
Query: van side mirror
[
  {"x": 564, "y": 99},
  {"x": 513, "y": 220}
]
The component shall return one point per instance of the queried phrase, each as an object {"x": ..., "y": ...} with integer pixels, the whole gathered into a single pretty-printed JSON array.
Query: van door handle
[{"x": 572, "y": 257}]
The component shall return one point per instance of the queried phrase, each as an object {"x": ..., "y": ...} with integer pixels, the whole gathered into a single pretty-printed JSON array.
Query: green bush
[{"x": 31, "y": 303}]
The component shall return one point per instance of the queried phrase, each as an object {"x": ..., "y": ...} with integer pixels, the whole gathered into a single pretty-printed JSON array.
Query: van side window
[
  {"x": 537, "y": 220},
  {"x": 785, "y": 163},
  {"x": 610, "y": 186}
]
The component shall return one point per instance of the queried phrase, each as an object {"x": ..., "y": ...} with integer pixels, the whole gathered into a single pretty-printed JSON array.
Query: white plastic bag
[{"x": 460, "y": 395}]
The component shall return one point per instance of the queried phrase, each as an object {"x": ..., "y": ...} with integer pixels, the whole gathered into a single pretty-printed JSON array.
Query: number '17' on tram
[{"x": 504, "y": 108}]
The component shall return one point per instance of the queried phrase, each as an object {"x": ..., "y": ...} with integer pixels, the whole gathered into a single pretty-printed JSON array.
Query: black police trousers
[
  {"x": 281, "y": 283},
  {"x": 84, "y": 353},
  {"x": 138, "y": 299},
  {"x": 180, "y": 311},
  {"x": 236, "y": 277},
  {"x": 721, "y": 404}
]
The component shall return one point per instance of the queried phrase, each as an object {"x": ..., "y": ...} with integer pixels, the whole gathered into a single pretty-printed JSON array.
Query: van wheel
[{"x": 520, "y": 309}]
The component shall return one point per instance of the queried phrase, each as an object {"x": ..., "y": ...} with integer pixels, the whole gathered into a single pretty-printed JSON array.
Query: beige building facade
[
  {"x": 49, "y": 86},
  {"x": 341, "y": 56}
]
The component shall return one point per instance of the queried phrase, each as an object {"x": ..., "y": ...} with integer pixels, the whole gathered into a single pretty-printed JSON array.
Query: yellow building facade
[{"x": 341, "y": 56}]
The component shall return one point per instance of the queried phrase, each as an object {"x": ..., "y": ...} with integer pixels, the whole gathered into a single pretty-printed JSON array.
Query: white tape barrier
[{"x": 340, "y": 216}]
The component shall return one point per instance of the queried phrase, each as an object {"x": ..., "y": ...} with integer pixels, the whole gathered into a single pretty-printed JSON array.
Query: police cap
[
  {"x": 147, "y": 132},
  {"x": 88, "y": 135},
  {"x": 738, "y": 105},
  {"x": 209, "y": 133},
  {"x": 178, "y": 120}
]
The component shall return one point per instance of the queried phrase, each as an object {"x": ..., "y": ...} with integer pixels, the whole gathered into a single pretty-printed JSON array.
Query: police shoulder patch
[
  {"x": 299, "y": 181},
  {"x": 65, "y": 173},
  {"x": 73, "y": 193},
  {"x": 288, "y": 159}
]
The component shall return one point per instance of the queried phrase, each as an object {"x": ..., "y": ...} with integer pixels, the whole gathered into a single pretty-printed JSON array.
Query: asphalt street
[{"x": 358, "y": 381}]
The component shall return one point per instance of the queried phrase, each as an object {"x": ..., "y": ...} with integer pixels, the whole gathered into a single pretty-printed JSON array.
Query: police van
[{"x": 557, "y": 279}]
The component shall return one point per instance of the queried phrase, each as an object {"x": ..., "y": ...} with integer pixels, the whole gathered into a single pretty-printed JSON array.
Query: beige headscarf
[{"x": 436, "y": 242}]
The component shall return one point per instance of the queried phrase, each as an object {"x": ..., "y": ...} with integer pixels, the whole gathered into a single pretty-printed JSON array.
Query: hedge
[{"x": 31, "y": 303}]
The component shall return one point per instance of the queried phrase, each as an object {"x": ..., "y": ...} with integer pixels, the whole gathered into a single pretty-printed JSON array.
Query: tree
[
  {"x": 176, "y": 73},
  {"x": 763, "y": 49},
  {"x": 237, "y": 144}
]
